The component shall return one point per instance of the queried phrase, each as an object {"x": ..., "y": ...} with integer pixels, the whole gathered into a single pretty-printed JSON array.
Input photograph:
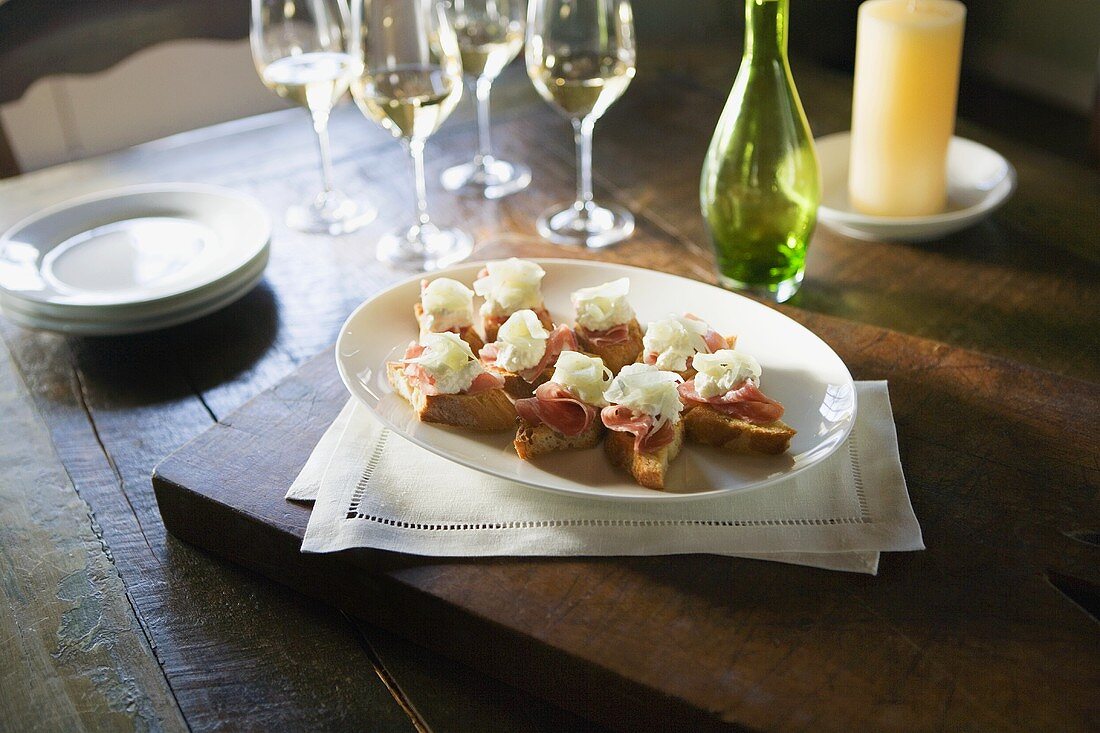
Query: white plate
[
  {"x": 979, "y": 180},
  {"x": 216, "y": 300},
  {"x": 124, "y": 253},
  {"x": 800, "y": 371}
]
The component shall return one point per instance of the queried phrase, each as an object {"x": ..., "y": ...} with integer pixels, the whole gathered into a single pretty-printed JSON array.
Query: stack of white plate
[{"x": 133, "y": 259}]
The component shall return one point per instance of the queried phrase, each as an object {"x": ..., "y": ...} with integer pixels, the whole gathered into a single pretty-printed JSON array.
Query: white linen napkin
[{"x": 375, "y": 489}]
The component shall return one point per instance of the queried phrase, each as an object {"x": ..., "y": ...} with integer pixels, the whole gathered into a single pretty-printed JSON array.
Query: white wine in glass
[
  {"x": 580, "y": 57},
  {"x": 300, "y": 51},
  {"x": 410, "y": 81},
  {"x": 490, "y": 35}
]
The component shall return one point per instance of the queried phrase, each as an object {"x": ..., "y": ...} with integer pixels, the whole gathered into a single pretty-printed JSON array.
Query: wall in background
[
  {"x": 1044, "y": 50},
  {"x": 164, "y": 89}
]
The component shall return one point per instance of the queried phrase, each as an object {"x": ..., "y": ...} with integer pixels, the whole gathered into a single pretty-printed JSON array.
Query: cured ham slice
[
  {"x": 614, "y": 335},
  {"x": 555, "y": 406},
  {"x": 626, "y": 420},
  {"x": 746, "y": 402},
  {"x": 711, "y": 338},
  {"x": 426, "y": 383},
  {"x": 560, "y": 339},
  {"x": 484, "y": 382}
]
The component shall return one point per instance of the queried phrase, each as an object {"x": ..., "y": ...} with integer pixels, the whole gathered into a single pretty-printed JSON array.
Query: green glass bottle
[{"x": 760, "y": 186}]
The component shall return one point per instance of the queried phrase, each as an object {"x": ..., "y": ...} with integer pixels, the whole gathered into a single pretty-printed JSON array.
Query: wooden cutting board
[{"x": 990, "y": 628}]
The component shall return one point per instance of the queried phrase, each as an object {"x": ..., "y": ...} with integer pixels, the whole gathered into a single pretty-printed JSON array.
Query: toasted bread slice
[
  {"x": 519, "y": 388},
  {"x": 708, "y": 426},
  {"x": 485, "y": 411},
  {"x": 615, "y": 356},
  {"x": 492, "y": 324},
  {"x": 535, "y": 440},
  {"x": 688, "y": 373},
  {"x": 468, "y": 334},
  {"x": 648, "y": 469}
]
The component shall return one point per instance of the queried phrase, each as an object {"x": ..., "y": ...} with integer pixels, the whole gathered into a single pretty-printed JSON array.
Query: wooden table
[{"x": 118, "y": 625}]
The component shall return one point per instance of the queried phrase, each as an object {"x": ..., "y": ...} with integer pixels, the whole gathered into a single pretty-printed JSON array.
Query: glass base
[
  {"x": 490, "y": 177},
  {"x": 329, "y": 212},
  {"x": 777, "y": 293},
  {"x": 424, "y": 247},
  {"x": 586, "y": 225}
]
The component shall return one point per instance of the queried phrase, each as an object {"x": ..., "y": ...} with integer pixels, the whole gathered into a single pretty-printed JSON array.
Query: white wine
[
  {"x": 487, "y": 46},
  {"x": 313, "y": 80},
  {"x": 409, "y": 101},
  {"x": 581, "y": 85}
]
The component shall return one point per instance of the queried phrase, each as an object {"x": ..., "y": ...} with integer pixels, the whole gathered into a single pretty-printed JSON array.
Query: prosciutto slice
[
  {"x": 555, "y": 406},
  {"x": 560, "y": 339},
  {"x": 614, "y": 335},
  {"x": 714, "y": 340},
  {"x": 425, "y": 382},
  {"x": 626, "y": 420},
  {"x": 746, "y": 402}
]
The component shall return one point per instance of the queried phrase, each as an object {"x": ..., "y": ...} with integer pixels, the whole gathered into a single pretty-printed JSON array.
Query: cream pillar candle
[{"x": 903, "y": 110}]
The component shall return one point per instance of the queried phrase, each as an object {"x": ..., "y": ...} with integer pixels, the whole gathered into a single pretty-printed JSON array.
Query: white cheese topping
[
  {"x": 447, "y": 304},
  {"x": 449, "y": 361},
  {"x": 585, "y": 376},
  {"x": 675, "y": 340},
  {"x": 603, "y": 306},
  {"x": 645, "y": 388},
  {"x": 722, "y": 371},
  {"x": 521, "y": 341},
  {"x": 511, "y": 284}
]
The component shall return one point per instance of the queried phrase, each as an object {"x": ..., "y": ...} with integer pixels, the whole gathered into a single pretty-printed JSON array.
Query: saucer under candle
[{"x": 979, "y": 181}]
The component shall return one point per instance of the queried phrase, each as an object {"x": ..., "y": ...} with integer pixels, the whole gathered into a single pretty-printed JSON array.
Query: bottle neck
[{"x": 766, "y": 28}]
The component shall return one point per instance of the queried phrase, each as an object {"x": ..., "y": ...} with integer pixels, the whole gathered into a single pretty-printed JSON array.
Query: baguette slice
[
  {"x": 519, "y": 388},
  {"x": 536, "y": 440},
  {"x": 615, "y": 356},
  {"x": 485, "y": 411},
  {"x": 708, "y": 426},
  {"x": 648, "y": 469},
  {"x": 468, "y": 334},
  {"x": 492, "y": 324}
]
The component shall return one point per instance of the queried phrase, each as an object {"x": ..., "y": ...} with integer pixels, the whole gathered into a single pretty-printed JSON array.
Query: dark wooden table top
[{"x": 118, "y": 625}]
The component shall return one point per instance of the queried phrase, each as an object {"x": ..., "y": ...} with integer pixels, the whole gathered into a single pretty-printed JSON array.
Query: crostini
[
  {"x": 671, "y": 343},
  {"x": 564, "y": 413},
  {"x": 509, "y": 286},
  {"x": 447, "y": 305},
  {"x": 724, "y": 406},
  {"x": 446, "y": 384},
  {"x": 643, "y": 418},
  {"x": 605, "y": 323},
  {"x": 524, "y": 352}
]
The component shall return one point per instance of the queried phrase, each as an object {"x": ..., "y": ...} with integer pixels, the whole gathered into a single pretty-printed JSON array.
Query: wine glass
[
  {"x": 300, "y": 51},
  {"x": 490, "y": 34},
  {"x": 580, "y": 56},
  {"x": 410, "y": 81}
]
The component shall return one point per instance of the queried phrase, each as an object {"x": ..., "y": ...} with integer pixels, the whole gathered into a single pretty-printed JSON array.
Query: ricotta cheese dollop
[
  {"x": 509, "y": 286},
  {"x": 585, "y": 376},
  {"x": 603, "y": 307},
  {"x": 645, "y": 388},
  {"x": 674, "y": 340},
  {"x": 447, "y": 304},
  {"x": 521, "y": 341},
  {"x": 722, "y": 371},
  {"x": 449, "y": 361}
]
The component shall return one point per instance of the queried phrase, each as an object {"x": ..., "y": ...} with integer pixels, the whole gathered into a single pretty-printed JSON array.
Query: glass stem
[
  {"x": 416, "y": 152},
  {"x": 320, "y": 126},
  {"x": 484, "y": 142},
  {"x": 582, "y": 134}
]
